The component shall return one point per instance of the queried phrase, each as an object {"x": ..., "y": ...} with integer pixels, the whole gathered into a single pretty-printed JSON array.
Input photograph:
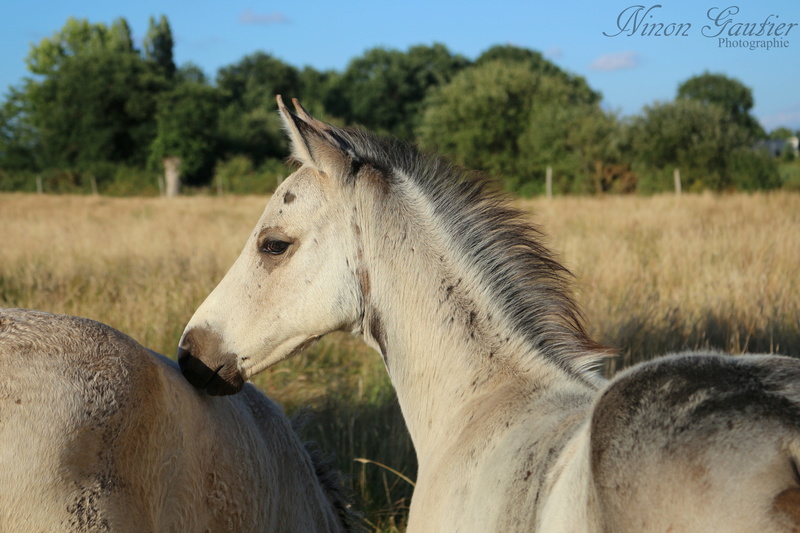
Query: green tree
[
  {"x": 315, "y": 87},
  {"x": 581, "y": 143},
  {"x": 158, "y": 45},
  {"x": 753, "y": 170},
  {"x": 95, "y": 107},
  {"x": 78, "y": 38},
  {"x": 88, "y": 108},
  {"x": 700, "y": 139},
  {"x": 256, "y": 79},
  {"x": 513, "y": 121},
  {"x": 479, "y": 116},
  {"x": 729, "y": 94},
  {"x": 787, "y": 153},
  {"x": 248, "y": 123},
  {"x": 536, "y": 62},
  {"x": 18, "y": 141},
  {"x": 119, "y": 37},
  {"x": 783, "y": 133},
  {"x": 383, "y": 89},
  {"x": 190, "y": 73},
  {"x": 186, "y": 121},
  {"x": 779, "y": 134}
]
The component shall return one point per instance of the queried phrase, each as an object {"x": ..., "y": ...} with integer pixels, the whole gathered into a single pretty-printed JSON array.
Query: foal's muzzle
[{"x": 205, "y": 366}]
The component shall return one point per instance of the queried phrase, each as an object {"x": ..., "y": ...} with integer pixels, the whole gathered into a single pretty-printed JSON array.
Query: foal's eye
[{"x": 273, "y": 247}]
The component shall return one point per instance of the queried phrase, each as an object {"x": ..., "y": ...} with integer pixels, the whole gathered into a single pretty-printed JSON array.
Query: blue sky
[{"x": 631, "y": 70}]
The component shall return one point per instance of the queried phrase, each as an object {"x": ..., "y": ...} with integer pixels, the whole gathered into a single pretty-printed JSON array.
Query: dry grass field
[{"x": 653, "y": 275}]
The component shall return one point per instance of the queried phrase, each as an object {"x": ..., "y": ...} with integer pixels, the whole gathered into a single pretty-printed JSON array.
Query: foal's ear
[
  {"x": 294, "y": 126},
  {"x": 314, "y": 142}
]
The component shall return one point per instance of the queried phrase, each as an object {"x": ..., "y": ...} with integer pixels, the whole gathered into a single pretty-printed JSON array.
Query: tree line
[{"x": 95, "y": 108}]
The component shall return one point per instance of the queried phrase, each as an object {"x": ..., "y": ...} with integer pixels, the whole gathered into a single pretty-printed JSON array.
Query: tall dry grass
[
  {"x": 139, "y": 265},
  {"x": 669, "y": 273},
  {"x": 653, "y": 275}
]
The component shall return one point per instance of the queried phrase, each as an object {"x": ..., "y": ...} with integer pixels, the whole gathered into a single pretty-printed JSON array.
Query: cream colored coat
[{"x": 99, "y": 434}]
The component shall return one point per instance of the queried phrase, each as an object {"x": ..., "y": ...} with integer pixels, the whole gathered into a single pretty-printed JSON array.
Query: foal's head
[
  {"x": 297, "y": 277},
  {"x": 304, "y": 273}
]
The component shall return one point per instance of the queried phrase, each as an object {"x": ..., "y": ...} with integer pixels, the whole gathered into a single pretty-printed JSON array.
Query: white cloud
[
  {"x": 251, "y": 17},
  {"x": 554, "y": 52},
  {"x": 618, "y": 61}
]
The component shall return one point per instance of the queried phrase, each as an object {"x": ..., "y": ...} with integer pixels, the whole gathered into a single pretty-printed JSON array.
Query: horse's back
[
  {"x": 71, "y": 391},
  {"x": 699, "y": 443},
  {"x": 99, "y": 434}
]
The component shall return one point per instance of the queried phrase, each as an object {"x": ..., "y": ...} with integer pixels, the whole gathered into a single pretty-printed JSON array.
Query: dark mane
[
  {"x": 533, "y": 288},
  {"x": 330, "y": 478}
]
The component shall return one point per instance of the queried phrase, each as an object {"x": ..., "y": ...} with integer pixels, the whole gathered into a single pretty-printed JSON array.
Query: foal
[{"x": 513, "y": 427}]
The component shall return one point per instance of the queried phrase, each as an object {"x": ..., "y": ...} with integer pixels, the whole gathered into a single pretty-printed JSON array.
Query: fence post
[
  {"x": 677, "y": 175},
  {"x": 94, "y": 185},
  {"x": 39, "y": 188},
  {"x": 172, "y": 175},
  {"x": 549, "y": 181}
]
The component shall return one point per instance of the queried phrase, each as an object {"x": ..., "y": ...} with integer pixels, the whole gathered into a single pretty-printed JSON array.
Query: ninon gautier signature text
[{"x": 639, "y": 20}]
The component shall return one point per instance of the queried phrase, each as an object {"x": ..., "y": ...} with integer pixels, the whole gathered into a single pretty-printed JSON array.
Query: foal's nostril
[
  {"x": 193, "y": 369},
  {"x": 184, "y": 358},
  {"x": 205, "y": 366}
]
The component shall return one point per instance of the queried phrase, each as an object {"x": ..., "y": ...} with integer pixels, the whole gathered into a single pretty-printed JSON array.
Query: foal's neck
[{"x": 448, "y": 348}]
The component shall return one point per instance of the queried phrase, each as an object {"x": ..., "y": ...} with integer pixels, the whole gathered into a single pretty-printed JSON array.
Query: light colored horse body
[
  {"x": 99, "y": 434},
  {"x": 513, "y": 428}
]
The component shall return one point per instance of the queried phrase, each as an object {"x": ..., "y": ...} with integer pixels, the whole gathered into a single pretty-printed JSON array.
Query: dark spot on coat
[
  {"x": 378, "y": 332},
  {"x": 85, "y": 511},
  {"x": 377, "y": 177},
  {"x": 363, "y": 280},
  {"x": 788, "y": 503},
  {"x": 288, "y": 198},
  {"x": 795, "y": 470},
  {"x": 355, "y": 165}
]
